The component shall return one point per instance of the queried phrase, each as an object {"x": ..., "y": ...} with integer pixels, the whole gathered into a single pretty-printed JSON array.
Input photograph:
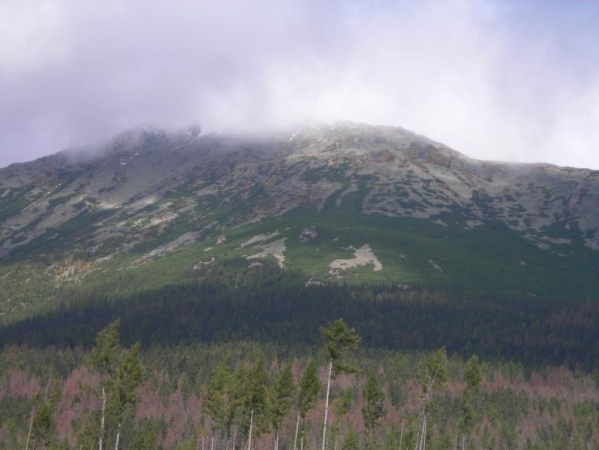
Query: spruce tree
[
  {"x": 282, "y": 395},
  {"x": 309, "y": 389},
  {"x": 339, "y": 340},
  {"x": 373, "y": 409},
  {"x": 473, "y": 376},
  {"x": 121, "y": 374}
]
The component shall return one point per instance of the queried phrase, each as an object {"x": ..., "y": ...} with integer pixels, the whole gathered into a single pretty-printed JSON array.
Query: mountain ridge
[{"x": 151, "y": 192}]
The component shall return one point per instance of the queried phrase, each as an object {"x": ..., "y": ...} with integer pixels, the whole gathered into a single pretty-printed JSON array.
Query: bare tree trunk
[
  {"x": 296, "y": 432},
  {"x": 326, "y": 407},
  {"x": 234, "y": 437},
  {"x": 101, "y": 441},
  {"x": 29, "y": 432},
  {"x": 419, "y": 434},
  {"x": 34, "y": 443},
  {"x": 277, "y": 439},
  {"x": 118, "y": 437},
  {"x": 212, "y": 444},
  {"x": 250, "y": 435},
  {"x": 421, "y": 437},
  {"x": 401, "y": 437},
  {"x": 424, "y": 435}
]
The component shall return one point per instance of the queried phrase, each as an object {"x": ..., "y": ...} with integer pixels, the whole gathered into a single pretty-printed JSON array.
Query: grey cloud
[{"x": 493, "y": 79}]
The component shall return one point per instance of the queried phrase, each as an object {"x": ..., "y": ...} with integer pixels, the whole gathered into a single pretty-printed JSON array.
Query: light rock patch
[
  {"x": 259, "y": 238},
  {"x": 276, "y": 248},
  {"x": 181, "y": 241},
  {"x": 436, "y": 266},
  {"x": 363, "y": 256},
  {"x": 307, "y": 234}
]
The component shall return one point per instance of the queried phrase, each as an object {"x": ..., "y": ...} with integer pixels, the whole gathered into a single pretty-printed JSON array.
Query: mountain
[{"x": 325, "y": 203}]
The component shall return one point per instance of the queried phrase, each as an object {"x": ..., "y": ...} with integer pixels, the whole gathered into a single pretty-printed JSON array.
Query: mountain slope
[{"x": 346, "y": 201}]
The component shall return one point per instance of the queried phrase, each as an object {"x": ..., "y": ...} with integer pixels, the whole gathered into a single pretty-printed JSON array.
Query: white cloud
[
  {"x": 31, "y": 36},
  {"x": 493, "y": 79}
]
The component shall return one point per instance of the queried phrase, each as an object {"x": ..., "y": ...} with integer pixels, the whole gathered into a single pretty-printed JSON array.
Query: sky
[{"x": 509, "y": 80}]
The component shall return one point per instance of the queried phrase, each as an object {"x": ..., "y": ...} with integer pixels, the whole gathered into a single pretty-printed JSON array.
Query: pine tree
[
  {"x": 255, "y": 403},
  {"x": 128, "y": 378},
  {"x": 339, "y": 340},
  {"x": 309, "y": 389},
  {"x": 473, "y": 376},
  {"x": 42, "y": 424},
  {"x": 222, "y": 399},
  {"x": 104, "y": 357},
  {"x": 373, "y": 409},
  {"x": 121, "y": 374},
  {"x": 281, "y": 398},
  {"x": 351, "y": 441}
]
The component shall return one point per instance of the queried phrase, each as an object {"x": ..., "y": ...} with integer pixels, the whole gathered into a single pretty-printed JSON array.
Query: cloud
[{"x": 497, "y": 79}]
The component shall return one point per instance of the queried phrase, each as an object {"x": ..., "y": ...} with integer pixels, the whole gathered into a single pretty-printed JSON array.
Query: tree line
[{"x": 533, "y": 331}]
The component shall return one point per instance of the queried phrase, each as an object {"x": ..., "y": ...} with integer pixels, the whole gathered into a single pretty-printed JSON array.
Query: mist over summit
[{"x": 324, "y": 202}]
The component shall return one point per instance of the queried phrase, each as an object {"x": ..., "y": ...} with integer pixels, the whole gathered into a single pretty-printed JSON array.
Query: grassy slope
[{"x": 487, "y": 259}]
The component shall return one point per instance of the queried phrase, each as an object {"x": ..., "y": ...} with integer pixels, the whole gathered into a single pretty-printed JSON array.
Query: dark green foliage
[
  {"x": 281, "y": 397},
  {"x": 309, "y": 389},
  {"x": 533, "y": 331},
  {"x": 121, "y": 374},
  {"x": 374, "y": 398},
  {"x": 351, "y": 441},
  {"x": 468, "y": 416},
  {"x": 339, "y": 340},
  {"x": 147, "y": 435},
  {"x": 255, "y": 401},
  {"x": 43, "y": 423},
  {"x": 105, "y": 355},
  {"x": 222, "y": 399},
  {"x": 436, "y": 367},
  {"x": 473, "y": 374},
  {"x": 129, "y": 375}
]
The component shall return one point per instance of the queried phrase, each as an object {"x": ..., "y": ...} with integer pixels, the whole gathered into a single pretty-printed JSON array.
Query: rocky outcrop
[{"x": 150, "y": 182}]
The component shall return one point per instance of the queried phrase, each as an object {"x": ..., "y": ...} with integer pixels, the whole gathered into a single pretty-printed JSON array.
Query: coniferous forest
[{"x": 203, "y": 366}]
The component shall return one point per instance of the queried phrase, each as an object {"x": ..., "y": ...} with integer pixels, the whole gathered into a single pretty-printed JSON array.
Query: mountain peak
[{"x": 152, "y": 190}]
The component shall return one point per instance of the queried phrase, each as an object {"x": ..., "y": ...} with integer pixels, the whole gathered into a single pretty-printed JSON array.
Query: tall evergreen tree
[
  {"x": 281, "y": 398},
  {"x": 473, "y": 376},
  {"x": 104, "y": 357},
  {"x": 339, "y": 340},
  {"x": 128, "y": 378},
  {"x": 309, "y": 389},
  {"x": 222, "y": 399},
  {"x": 255, "y": 404},
  {"x": 351, "y": 441},
  {"x": 121, "y": 374},
  {"x": 373, "y": 409}
]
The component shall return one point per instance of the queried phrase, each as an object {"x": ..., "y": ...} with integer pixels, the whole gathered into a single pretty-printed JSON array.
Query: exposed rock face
[
  {"x": 149, "y": 182},
  {"x": 307, "y": 234},
  {"x": 362, "y": 257}
]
